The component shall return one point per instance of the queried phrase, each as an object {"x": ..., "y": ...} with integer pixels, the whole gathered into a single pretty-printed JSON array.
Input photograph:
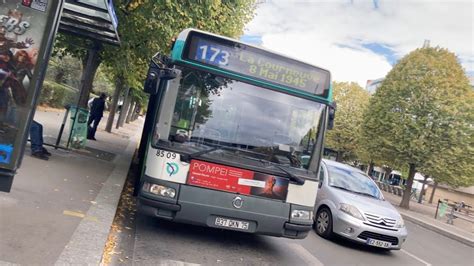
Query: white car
[{"x": 350, "y": 204}]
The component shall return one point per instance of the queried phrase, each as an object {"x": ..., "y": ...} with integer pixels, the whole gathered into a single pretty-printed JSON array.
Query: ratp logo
[{"x": 172, "y": 168}]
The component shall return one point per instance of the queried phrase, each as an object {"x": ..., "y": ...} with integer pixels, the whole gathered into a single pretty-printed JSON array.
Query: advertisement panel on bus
[{"x": 237, "y": 180}]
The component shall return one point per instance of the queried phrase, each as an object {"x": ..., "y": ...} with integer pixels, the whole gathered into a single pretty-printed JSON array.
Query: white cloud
[{"x": 314, "y": 31}]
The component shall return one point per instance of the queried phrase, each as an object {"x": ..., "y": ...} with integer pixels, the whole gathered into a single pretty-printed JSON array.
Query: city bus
[{"x": 236, "y": 138}]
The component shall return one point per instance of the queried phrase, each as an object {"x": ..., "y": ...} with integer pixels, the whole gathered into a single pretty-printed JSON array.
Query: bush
[{"x": 57, "y": 95}]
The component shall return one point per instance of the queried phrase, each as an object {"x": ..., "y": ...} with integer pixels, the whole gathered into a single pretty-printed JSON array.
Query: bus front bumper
[{"x": 203, "y": 207}]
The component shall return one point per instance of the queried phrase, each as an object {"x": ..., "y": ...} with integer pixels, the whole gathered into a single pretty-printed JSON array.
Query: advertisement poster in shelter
[{"x": 27, "y": 29}]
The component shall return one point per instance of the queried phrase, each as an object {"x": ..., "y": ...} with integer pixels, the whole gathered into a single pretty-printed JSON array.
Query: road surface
[{"x": 157, "y": 242}]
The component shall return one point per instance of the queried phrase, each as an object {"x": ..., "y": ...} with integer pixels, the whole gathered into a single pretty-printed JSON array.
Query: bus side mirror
[
  {"x": 152, "y": 80},
  {"x": 155, "y": 75},
  {"x": 157, "y": 71},
  {"x": 332, "y": 115}
]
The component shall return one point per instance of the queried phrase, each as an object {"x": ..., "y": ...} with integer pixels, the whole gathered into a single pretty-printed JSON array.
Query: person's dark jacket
[{"x": 97, "y": 107}]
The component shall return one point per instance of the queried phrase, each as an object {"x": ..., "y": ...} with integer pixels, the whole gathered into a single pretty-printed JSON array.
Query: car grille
[
  {"x": 366, "y": 234},
  {"x": 380, "y": 221}
]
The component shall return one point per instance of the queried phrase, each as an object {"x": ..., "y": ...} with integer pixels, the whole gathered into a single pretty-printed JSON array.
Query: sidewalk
[
  {"x": 60, "y": 211},
  {"x": 423, "y": 215}
]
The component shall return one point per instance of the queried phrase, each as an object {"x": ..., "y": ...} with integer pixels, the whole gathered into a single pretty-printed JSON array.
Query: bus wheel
[{"x": 324, "y": 223}]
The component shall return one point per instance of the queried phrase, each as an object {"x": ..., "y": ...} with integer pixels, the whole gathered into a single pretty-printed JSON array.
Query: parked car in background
[{"x": 350, "y": 204}]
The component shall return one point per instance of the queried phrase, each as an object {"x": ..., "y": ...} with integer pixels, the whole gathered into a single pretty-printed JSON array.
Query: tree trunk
[
  {"x": 370, "y": 169},
  {"x": 407, "y": 193},
  {"x": 130, "y": 112},
  {"x": 124, "y": 111},
  {"x": 90, "y": 64},
  {"x": 420, "y": 199},
  {"x": 339, "y": 156},
  {"x": 136, "y": 112},
  {"x": 59, "y": 77},
  {"x": 113, "y": 107},
  {"x": 388, "y": 171},
  {"x": 435, "y": 185}
]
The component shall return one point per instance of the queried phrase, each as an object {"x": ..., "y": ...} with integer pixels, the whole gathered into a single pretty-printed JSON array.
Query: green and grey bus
[{"x": 237, "y": 137}]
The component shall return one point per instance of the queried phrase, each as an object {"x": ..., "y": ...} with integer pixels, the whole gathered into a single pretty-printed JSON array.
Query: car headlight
[
  {"x": 159, "y": 190},
  {"x": 300, "y": 214},
  {"x": 351, "y": 210},
  {"x": 400, "y": 223}
]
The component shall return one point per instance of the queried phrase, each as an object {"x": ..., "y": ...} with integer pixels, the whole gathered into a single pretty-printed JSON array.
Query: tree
[
  {"x": 422, "y": 117},
  {"x": 352, "y": 100}
]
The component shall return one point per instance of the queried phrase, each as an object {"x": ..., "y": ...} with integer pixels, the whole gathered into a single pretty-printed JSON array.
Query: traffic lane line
[
  {"x": 415, "y": 257},
  {"x": 176, "y": 263},
  {"x": 305, "y": 255}
]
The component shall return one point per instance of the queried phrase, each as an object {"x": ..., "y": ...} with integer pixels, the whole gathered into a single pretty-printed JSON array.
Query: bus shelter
[{"x": 27, "y": 32}]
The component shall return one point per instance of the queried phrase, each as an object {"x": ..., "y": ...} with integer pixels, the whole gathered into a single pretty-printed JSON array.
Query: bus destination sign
[{"x": 256, "y": 63}]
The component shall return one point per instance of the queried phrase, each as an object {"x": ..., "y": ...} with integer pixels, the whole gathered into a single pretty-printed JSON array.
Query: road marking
[
  {"x": 415, "y": 257},
  {"x": 75, "y": 214},
  {"x": 304, "y": 254},
  {"x": 176, "y": 263}
]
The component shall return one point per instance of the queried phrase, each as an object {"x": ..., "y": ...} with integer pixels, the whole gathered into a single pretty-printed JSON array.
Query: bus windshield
[{"x": 213, "y": 111}]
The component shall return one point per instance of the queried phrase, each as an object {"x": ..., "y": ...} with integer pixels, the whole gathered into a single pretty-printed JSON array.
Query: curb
[
  {"x": 438, "y": 229},
  {"x": 88, "y": 240}
]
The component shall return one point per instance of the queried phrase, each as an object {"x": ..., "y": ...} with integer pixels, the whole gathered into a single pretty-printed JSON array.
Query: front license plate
[
  {"x": 232, "y": 223},
  {"x": 378, "y": 243}
]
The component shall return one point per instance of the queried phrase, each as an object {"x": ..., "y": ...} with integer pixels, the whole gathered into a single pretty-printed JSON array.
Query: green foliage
[
  {"x": 64, "y": 69},
  {"x": 57, "y": 95},
  {"x": 423, "y": 115},
  {"x": 352, "y": 101},
  {"x": 103, "y": 82}
]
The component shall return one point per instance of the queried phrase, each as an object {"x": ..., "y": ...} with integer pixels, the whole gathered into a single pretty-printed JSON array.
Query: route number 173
[{"x": 214, "y": 55}]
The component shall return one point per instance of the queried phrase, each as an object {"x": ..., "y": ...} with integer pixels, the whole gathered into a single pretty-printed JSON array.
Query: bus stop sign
[{"x": 27, "y": 29}]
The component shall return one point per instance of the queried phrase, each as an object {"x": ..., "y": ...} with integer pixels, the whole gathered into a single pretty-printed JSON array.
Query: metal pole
[
  {"x": 72, "y": 127},
  {"x": 58, "y": 140},
  {"x": 436, "y": 213}
]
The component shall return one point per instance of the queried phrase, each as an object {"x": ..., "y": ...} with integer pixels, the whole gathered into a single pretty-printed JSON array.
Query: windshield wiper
[
  {"x": 356, "y": 192},
  {"x": 343, "y": 188},
  {"x": 298, "y": 180},
  {"x": 365, "y": 194},
  {"x": 187, "y": 157}
]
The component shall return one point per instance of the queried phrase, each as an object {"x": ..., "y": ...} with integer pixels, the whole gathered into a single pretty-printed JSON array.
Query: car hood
[{"x": 367, "y": 204}]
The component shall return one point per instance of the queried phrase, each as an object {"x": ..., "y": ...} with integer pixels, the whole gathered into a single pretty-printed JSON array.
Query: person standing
[
  {"x": 36, "y": 136},
  {"x": 96, "y": 113}
]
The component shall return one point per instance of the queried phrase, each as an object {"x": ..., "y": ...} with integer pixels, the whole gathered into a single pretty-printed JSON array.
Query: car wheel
[{"x": 324, "y": 223}]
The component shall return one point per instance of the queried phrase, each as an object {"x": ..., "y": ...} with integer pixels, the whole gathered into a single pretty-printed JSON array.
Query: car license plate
[
  {"x": 378, "y": 243},
  {"x": 232, "y": 223}
]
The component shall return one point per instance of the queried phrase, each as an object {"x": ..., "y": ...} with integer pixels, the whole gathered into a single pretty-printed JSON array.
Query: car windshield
[
  {"x": 352, "y": 181},
  {"x": 212, "y": 111}
]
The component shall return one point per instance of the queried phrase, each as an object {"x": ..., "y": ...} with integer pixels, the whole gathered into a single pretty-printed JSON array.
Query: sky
[{"x": 361, "y": 40}]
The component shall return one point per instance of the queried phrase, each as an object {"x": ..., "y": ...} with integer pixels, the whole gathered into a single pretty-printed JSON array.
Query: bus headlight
[
  {"x": 159, "y": 190},
  {"x": 300, "y": 214}
]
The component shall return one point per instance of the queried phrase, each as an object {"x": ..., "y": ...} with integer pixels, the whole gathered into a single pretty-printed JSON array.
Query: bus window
[{"x": 236, "y": 114}]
